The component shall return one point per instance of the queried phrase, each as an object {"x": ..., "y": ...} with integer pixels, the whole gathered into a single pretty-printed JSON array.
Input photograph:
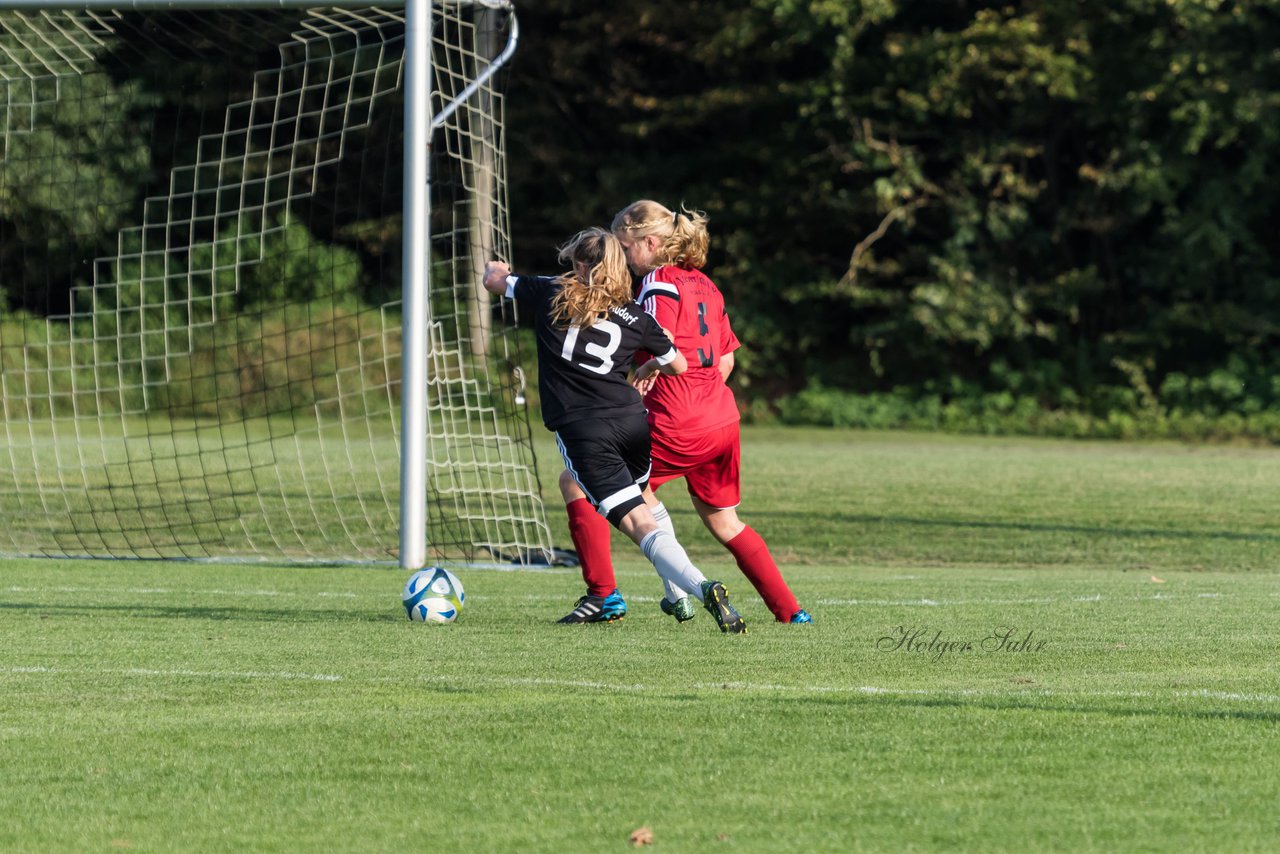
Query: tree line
[{"x": 1050, "y": 216}]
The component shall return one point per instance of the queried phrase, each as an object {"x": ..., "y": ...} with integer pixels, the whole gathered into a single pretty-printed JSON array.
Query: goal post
[{"x": 239, "y": 315}]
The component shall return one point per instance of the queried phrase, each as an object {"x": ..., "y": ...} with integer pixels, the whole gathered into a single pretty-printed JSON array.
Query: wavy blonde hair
[
  {"x": 608, "y": 281},
  {"x": 683, "y": 232}
]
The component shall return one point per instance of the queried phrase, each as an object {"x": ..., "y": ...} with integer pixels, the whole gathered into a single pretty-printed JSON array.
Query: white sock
[
  {"x": 663, "y": 517},
  {"x": 674, "y": 592},
  {"x": 673, "y": 564}
]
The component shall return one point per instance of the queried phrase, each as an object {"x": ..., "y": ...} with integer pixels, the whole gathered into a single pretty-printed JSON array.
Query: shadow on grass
[{"x": 201, "y": 612}]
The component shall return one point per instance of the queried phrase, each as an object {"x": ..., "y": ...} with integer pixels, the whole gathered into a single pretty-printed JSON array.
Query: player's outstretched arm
[
  {"x": 644, "y": 384},
  {"x": 678, "y": 365},
  {"x": 645, "y": 372}
]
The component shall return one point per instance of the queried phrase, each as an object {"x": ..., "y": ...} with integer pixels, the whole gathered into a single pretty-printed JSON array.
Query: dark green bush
[{"x": 1003, "y": 413}]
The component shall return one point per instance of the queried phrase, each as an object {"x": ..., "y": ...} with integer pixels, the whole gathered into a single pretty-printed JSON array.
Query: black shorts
[{"x": 609, "y": 458}]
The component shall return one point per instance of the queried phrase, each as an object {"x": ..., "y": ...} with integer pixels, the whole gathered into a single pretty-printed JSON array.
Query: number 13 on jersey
[{"x": 602, "y": 353}]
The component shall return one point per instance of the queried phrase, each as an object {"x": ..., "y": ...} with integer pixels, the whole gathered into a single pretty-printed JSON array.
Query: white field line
[
  {"x": 512, "y": 567},
  {"x": 595, "y": 685},
  {"x": 1203, "y": 693},
  {"x": 186, "y": 591},
  {"x": 210, "y": 675},
  {"x": 309, "y": 594},
  {"x": 930, "y": 603},
  {"x": 922, "y": 602},
  {"x": 1039, "y": 600}
]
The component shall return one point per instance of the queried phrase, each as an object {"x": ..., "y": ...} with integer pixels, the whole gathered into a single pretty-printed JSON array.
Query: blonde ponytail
[
  {"x": 683, "y": 232},
  {"x": 608, "y": 282}
]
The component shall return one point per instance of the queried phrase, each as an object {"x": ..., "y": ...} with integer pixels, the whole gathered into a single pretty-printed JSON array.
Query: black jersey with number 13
[{"x": 582, "y": 371}]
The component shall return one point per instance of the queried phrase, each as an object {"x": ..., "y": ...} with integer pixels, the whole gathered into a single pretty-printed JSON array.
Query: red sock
[
  {"x": 752, "y": 554},
  {"x": 590, "y": 533}
]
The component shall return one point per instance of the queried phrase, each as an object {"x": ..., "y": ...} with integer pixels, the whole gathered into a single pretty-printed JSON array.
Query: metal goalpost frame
[
  {"x": 417, "y": 276},
  {"x": 416, "y": 282},
  {"x": 419, "y": 126}
]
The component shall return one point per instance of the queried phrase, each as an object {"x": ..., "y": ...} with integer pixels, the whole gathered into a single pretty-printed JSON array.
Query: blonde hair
[
  {"x": 684, "y": 232},
  {"x": 608, "y": 283}
]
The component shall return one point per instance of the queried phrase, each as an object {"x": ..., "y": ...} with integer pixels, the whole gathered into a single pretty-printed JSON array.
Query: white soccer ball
[{"x": 433, "y": 595}]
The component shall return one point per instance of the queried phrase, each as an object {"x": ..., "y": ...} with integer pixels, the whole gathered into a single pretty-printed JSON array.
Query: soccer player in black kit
[{"x": 588, "y": 329}]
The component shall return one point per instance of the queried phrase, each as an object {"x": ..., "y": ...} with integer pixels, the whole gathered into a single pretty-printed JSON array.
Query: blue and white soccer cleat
[
  {"x": 597, "y": 609},
  {"x": 799, "y": 617}
]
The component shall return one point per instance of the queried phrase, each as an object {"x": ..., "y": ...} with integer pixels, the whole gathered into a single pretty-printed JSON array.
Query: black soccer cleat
[
  {"x": 597, "y": 609},
  {"x": 716, "y": 600}
]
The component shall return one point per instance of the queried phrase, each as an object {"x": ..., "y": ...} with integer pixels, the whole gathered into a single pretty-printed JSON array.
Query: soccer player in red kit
[
  {"x": 693, "y": 417},
  {"x": 588, "y": 329}
]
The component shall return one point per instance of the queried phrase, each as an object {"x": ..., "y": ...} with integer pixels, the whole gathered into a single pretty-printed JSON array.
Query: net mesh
[{"x": 200, "y": 269}]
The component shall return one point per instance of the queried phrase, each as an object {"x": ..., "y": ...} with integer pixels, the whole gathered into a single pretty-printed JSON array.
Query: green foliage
[
  {"x": 283, "y": 263},
  {"x": 70, "y": 170},
  {"x": 1070, "y": 204},
  {"x": 931, "y": 191},
  {"x": 1116, "y": 414},
  {"x": 243, "y": 325},
  {"x": 325, "y": 356}
]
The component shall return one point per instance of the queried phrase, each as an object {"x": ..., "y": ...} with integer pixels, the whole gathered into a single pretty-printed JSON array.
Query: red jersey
[{"x": 689, "y": 306}]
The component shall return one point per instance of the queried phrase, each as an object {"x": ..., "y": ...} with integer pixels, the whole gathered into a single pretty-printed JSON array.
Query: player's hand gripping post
[{"x": 495, "y": 277}]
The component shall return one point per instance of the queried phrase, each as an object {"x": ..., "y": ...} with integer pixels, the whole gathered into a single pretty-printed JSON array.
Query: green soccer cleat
[
  {"x": 681, "y": 609},
  {"x": 716, "y": 600}
]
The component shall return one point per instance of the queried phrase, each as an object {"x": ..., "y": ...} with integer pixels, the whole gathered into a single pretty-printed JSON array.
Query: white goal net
[{"x": 201, "y": 258}]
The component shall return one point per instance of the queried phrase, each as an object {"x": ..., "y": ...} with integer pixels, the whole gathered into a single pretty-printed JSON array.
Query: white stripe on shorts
[
  {"x": 568, "y": 466},
  {"x": 622, "y": 495}
]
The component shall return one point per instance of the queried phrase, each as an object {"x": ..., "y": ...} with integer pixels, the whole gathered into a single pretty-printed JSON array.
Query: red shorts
[{"x": 709, "y": 463}]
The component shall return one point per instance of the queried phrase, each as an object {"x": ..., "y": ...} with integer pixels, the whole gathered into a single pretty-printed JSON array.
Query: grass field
[{"x": 1018, "y": 645}]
